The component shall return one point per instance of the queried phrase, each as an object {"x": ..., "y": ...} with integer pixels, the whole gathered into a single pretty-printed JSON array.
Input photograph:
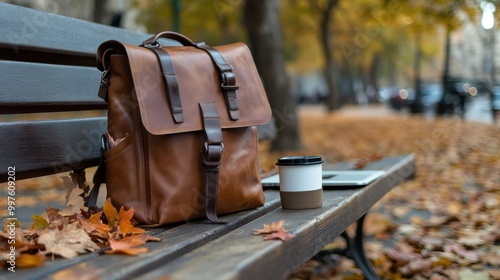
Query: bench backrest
[{"x": 48, "y": 64}]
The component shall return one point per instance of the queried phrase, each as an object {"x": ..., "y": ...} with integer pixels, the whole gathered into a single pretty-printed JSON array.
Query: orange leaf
[
  {"x": 96, "y": 217},
  {"x": 120, "y": 247},
  {"x": 139, "y": 239},
  {"x": 269, "y": 228},
  {"x": 95, "y": 220},
  {"x": 125, "y": 225},
  {"x": 281, "y": 234},
  {"x": 110, "y": 213},
  {"x": 29, "y": 260},
  {"x": 129, "y": 251}
]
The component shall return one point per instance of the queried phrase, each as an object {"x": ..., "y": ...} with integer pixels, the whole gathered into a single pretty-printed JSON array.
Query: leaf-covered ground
[{"x": 445, "y": 224}]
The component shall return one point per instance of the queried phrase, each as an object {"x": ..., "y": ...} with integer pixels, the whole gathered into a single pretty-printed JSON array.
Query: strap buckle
[
  {"x": 227, "y": 88},
  {"x": 212, "y": 154}
]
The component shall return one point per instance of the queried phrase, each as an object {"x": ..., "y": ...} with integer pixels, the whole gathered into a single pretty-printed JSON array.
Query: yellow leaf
[
  {"x": 29, "y": 260},
  {"x": 125, "y": 225},
  {"x": 110, "y": 213},
  {"x": 39, "y": 222}
]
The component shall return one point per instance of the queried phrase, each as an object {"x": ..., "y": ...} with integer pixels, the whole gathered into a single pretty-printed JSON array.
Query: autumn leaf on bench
[
  {"x": 75, "y": 194},
  {"x": 274, "y": 231},
  {"x": 70, "y": 235},
  {"x": 128, "y": 244},
  {"x": 67, "y": 242}
]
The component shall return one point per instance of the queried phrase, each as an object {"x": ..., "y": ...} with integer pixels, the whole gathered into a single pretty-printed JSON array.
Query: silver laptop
[{"x": 335, "y": 179}]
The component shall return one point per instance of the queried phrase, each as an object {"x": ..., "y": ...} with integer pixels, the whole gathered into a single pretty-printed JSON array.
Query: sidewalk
[{"x": 375, "y": 110}]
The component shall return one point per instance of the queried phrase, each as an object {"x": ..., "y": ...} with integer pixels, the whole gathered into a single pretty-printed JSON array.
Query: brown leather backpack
[{"x": 182, "y": 141}]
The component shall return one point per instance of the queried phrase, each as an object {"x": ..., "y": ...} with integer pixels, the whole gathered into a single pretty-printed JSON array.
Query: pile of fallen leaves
[
  {"x": 71, "y": 232},
  {"x": 444, "y": 224}
]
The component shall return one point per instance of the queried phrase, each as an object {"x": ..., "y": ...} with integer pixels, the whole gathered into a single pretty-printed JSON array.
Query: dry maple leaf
[
  {"x": 98, "y": 232},
  {"x": 55, "y": 219},
  {"x": 125, "y": 224},
  {"x": 121, "y": 247},
  {"x": 139, "y": 239},
  {"x": 269, "y": 228},
  {"x": 75, "y": 195},
  {"x": 101, "y": 228},
  {"x": 75, "y": 202},
  {"x": 110, "y": 212},
  {"x": 67, "y": 242},
  {"x": 273, "y": 231},
  {"x": 280, "y": 234}
]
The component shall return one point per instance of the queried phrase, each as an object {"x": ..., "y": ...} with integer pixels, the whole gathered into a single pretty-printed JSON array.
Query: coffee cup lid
[{"x": 299, "y": 160}]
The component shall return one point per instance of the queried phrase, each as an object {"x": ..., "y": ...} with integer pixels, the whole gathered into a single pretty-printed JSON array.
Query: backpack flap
[{"x": 198, "y": 81}]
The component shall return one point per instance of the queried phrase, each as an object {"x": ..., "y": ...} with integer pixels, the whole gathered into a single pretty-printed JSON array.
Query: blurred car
[
  {"x": 431, "y": 94},
  {"x": 496, "y": 98}
]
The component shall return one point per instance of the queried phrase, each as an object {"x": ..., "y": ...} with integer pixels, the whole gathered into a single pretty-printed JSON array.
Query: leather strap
[
  {"x": 171, "y": 83},
  {"x": 99, "y": 178},
  {"x": 228, "y": 80},
  {"x": 212, "y": 153}
]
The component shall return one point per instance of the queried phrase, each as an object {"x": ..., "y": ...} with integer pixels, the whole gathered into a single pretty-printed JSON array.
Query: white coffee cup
[{"x": 300, "y": 182}]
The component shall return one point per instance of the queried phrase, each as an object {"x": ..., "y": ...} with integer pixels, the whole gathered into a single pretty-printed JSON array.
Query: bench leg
[{"x": 354, "y": 250}]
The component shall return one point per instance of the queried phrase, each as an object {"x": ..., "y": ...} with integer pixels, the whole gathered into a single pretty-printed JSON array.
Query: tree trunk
[
  {"x": 176, "y": 15},
  {"x": 416, "y": 107},
  {"x": 264, "y": 31},
  {"x": 347, "y": 76},
  {"x": 374, "y": 69},
  {"x": 331, "y": 71},
  {"x": 442, "y": 105},
  {"x": 99, "y": 10}
]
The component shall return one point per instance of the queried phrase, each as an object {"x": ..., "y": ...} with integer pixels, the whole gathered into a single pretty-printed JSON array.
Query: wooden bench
[{"x": 47, "y": 64}]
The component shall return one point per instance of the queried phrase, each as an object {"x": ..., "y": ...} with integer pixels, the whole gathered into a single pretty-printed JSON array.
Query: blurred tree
[
  {"x": 361, "y": 41},
  {"x": 99, "y": 10},
  {"x": 261, "y": 19},
  {"x": 448, "y": 14},
  {"x": 427, "y": 18},
  {"x": 213, "y": 21},
  {"x": 325, "y": 11}
]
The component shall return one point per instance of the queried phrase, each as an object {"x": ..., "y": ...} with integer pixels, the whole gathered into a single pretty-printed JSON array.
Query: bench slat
[
  {"x": 29, "y": 35},
  {"x": 26, "y": 30},
  {"x": 38, "y": 148},
  {"x": 35, "y": 87},
  {"x": 241, "y": 255},
  {"x": 176, "y": 242}
]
